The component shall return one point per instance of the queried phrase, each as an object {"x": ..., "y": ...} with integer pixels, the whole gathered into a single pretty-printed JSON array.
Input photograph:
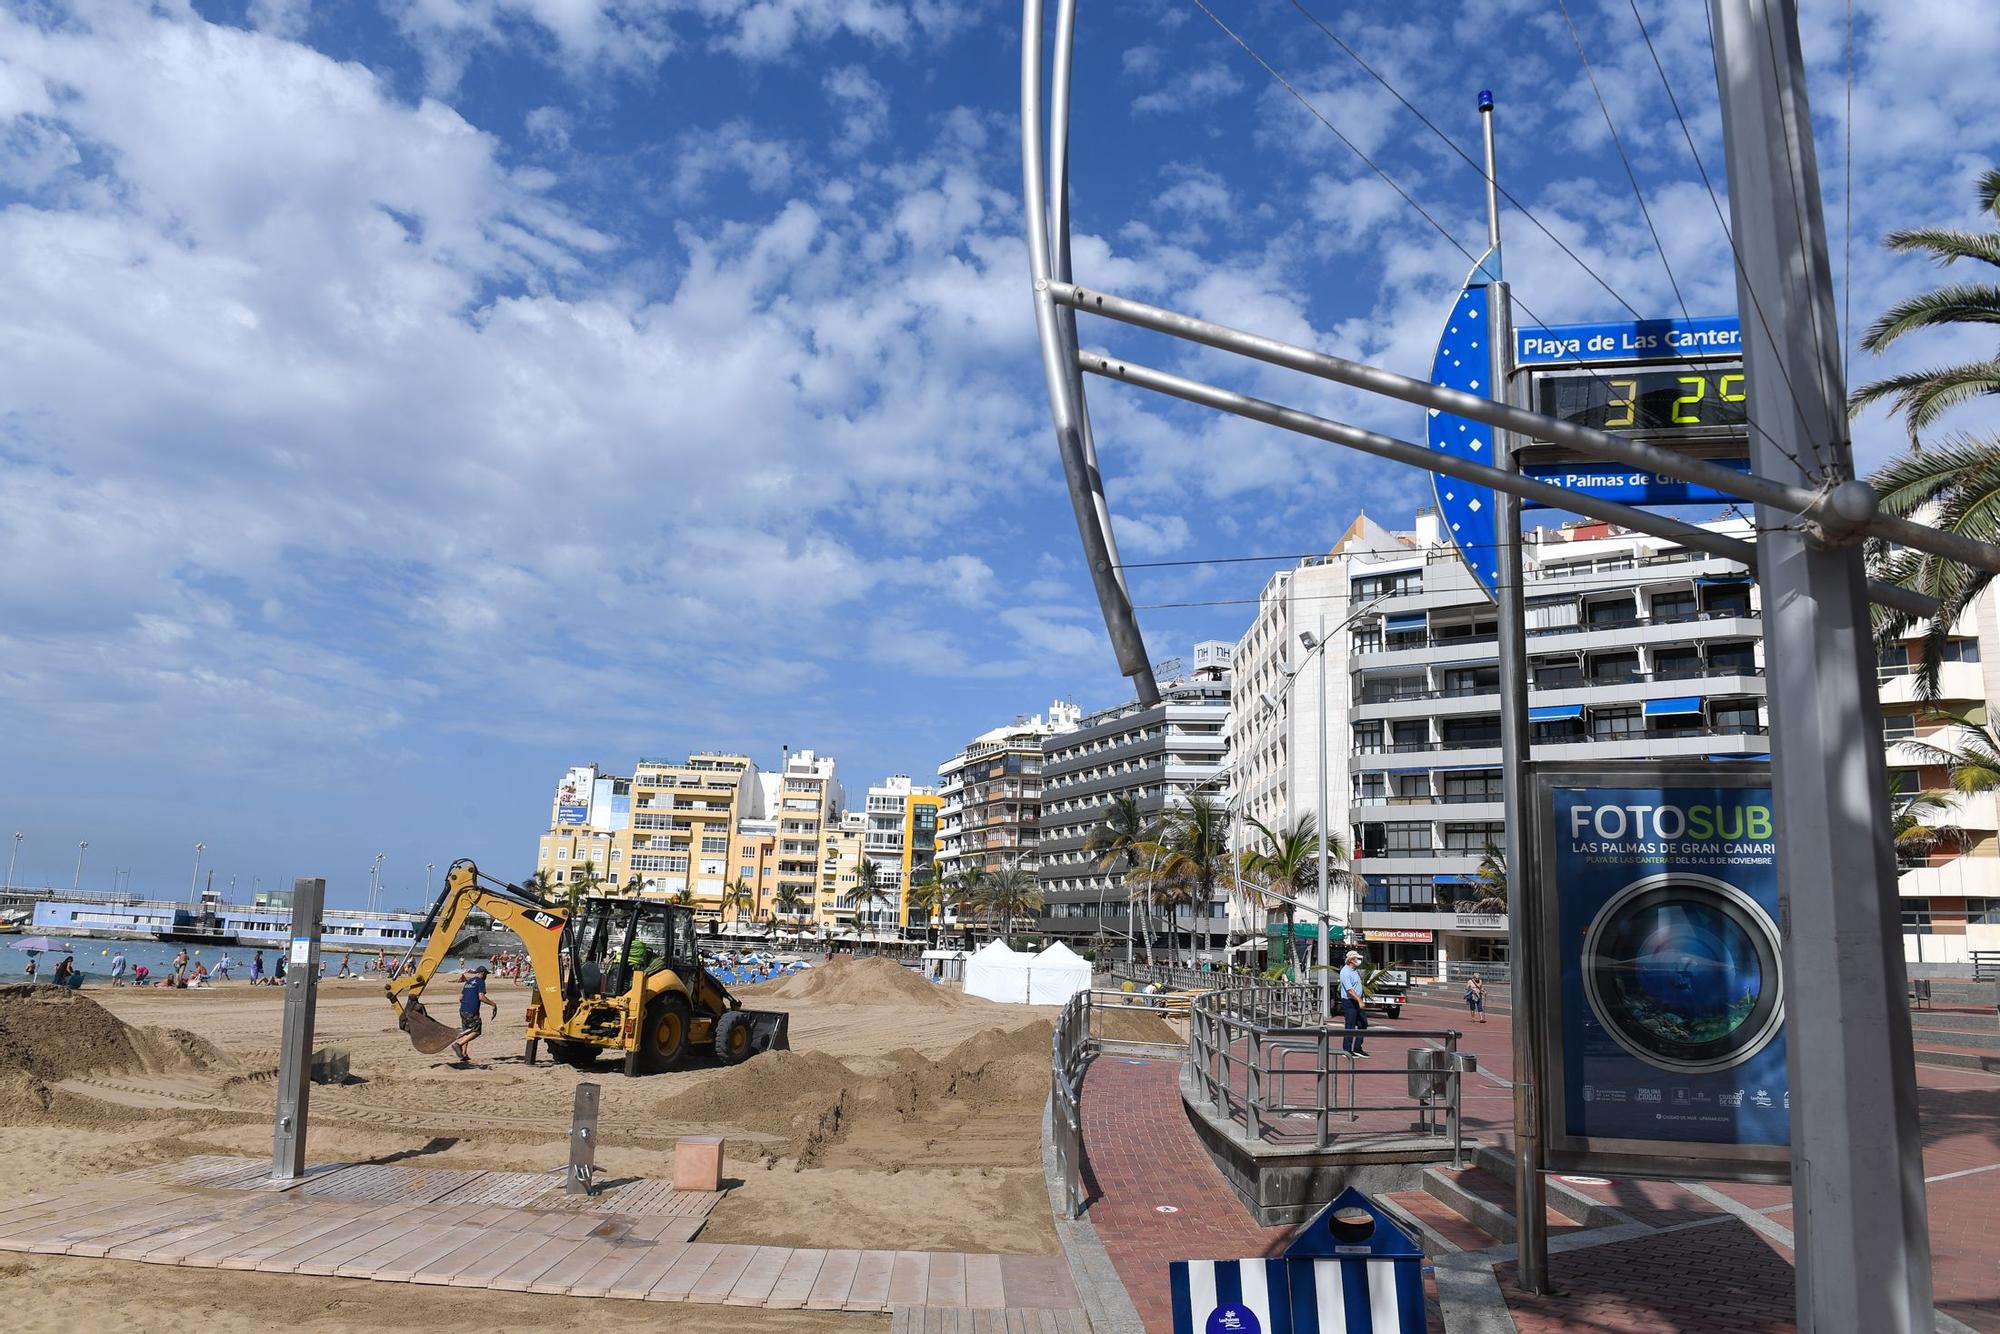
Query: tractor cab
[{"x": 607, "y": 936}]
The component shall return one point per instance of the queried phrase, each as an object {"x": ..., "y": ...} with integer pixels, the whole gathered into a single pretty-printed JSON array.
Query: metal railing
[
  {"x": 1079, "y": 1035},
  {"x": 1178, "y": 977},
  {"x": 1490, "y": 973},
  {"x": 1243, "y": 1045},
  {"x": 1985, "y": 965}
]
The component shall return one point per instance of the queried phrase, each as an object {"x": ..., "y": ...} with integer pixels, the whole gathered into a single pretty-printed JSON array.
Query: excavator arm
[{"x": 539, "y": 926}]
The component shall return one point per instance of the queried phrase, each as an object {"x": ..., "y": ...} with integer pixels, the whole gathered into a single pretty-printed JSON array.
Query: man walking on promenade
[{"x": 1356, "y": 1022}]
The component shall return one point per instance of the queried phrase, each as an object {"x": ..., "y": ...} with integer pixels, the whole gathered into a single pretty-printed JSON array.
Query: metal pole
[
  {"x": 76, "y": 884},
  {"x": 194, "y": 881},
  {"x": 288, "y": 1141},
  {"x": 11, "y": 858},
  {"x": 1857, "y": 1166},
  {"x": 1325, "y": 894},
  {"x": 583, "y": 1141}
]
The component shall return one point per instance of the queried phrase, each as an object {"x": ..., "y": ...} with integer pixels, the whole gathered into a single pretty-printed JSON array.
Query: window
[
  {"x": 1675, "y": 606},
  {"x": 1370, "y": 790},
  {"x": 1559, "y": 730},
  {"x": 1611, "y": 724},
  {"x": 1460, "y": 733},
  {"x": 1411, "y": 787},
  {"x": 1398, "y": 893},
  {"x": 1406, "y": 840},
  {"x": 1673, "y": 664},
  {"x": 1609, "y": 668},
  {"x": 1737, "y": 716},
  {"x": 1368, "y": 638},
  {"x": 1481, "y": 785},
  {"x": 1409, "y": 734},
  {"x": 1456, "y": 682},
  {"x": 1896, "y": 726},
  {"x": 1367, "y": 738},
  {"x": 1548, "y": 615},
  {"x": 1612, "y": 613},
  {"x": 1738, "y": 658},
  {"x": 1982, "y": 912},
  {"x": 1916, "y": 917},
  {"x": 715, "y": 844},
  {"x": 744, "y": 872},
  {"x": 1961, "y": 650},
  {"x": 1471, "y": 838},
  {"x": 1557, "y": 675},
  {"x": 1389, "y": 585},
  {"x": 1729, "y": 600}
]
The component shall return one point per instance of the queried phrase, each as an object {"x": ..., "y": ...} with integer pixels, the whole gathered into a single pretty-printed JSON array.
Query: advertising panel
[
  {"x": 573, "y": 796},
  {"x": 1664, "y": 1015}
]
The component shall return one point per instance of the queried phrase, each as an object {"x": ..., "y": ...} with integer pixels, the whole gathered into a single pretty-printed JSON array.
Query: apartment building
[
  {"x": 806, "y": 799},
  {"x": 1948, "y": 891},
  {"x": 990, "y": 794},
  {"x": 920, "y": 826},
  {"x": 665, "y": 830},
  {"x": 1637, "y": 648},
  {"x": 1161, "y": 755}
]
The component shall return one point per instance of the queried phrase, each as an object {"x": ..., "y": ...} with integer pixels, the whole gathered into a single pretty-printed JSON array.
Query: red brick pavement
[{"x": 1718, "y": 1279}]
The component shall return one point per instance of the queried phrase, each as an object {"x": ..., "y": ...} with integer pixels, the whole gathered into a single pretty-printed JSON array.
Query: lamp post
[
  {"x": 374, "y": 880},
  {"x": 194, "y": 881},
  {"x": 77, "y": 884},
  {"x": 1316, "y": 643},
  {"x": 12, "y": 856},
  {"x": 428, "y": 868}
]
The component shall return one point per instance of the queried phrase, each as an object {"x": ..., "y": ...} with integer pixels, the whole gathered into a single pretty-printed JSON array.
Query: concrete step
[
  {"x": 1441, "y": 1228},
  {"x": 1969, "y": 1039},
  {"x": 1957, "y": 1057},
  {"x": 1484, "y": 1198}
]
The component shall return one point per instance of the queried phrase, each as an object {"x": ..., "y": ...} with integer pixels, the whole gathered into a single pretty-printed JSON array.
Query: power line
[
  {"x": 1572, "y": 358},
  {"x": 1626, "y": 161}
]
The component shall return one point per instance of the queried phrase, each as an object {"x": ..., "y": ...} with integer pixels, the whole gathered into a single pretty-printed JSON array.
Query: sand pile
[
  {"x": 49, "y": 1034},
  {"x": 864, "y": 982},
  {"x": 810, "y": 1102},
  {"x": 1131, "y": 1026}
]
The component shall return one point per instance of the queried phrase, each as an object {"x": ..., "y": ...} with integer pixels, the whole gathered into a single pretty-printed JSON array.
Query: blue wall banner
[
  {"x": 1663, "y": 975},
  {"x": 1629, "y": 486},
  {"x": 1629, "y": 340}
]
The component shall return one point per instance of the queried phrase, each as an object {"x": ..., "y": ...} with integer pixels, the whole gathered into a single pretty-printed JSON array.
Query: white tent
[
  {"x": 1056, "y": 974},
  {"x": 998, "y": 973}
]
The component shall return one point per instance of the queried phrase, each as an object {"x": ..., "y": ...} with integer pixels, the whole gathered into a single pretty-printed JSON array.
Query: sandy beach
[{"x": 906, "y": 1116}]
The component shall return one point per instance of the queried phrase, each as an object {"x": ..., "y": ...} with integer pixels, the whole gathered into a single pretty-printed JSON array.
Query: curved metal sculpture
[{"x": 1046, "y": 197}]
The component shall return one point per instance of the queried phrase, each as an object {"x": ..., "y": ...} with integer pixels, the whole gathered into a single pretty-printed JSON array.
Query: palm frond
[
  {"x": 1924, "y": 396},
  {"x": 1960, "y": 303},
  {"x": 1946, "y": 244},
  {"x": 1989, "y": 190}
]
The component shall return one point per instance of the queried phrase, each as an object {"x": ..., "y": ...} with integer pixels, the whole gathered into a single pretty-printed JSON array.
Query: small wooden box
[{"x": 698, "y": 1163}]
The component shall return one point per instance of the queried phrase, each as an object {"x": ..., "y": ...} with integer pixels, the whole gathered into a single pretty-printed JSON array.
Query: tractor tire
[
  {"x": 733, "y": 1038},
  {"x": 581, "y": 1055},
  {"x": 663, "y": 1037}
]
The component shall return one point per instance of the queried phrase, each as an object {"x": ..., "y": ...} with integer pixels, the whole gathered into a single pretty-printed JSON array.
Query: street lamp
[
  {"x": 428, "y": 868},
  {"x": 374, "y": 881},
  {"x": 11, "y": 856},
  {"x": 76, "y": 885},
  {"x": 194, "y": 881},
  {"x": 1316, "y": 643}
]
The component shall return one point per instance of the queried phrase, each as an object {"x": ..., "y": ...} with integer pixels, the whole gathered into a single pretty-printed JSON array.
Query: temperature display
[{"x": 1669, "y": 401}]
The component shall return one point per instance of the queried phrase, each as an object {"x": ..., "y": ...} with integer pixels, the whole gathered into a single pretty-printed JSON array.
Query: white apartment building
[
  {"x": 1637, "y": 648},
  {"x": 992, "y": 794}
]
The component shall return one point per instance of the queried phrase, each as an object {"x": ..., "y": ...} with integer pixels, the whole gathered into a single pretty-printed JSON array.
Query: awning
[
  {"x": 1463, "y": 768},
  {"x": 1553, "y": 713},
  {"x": 1678, "y": 705},
  {"x": 1407, "y": 620},
  {"x": 1455, "y": 880},
  {"x": 1708, "y": 580},
  {"x": 1741, "y": 759}
]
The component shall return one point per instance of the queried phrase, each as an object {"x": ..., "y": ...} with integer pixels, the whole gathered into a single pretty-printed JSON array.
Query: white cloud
[
  {"x": 548, "y": 126},
  {"x": 1197, "y": 88},
  {"x": 1151, "y": 534},
  {"x": 862, "y": 104}
]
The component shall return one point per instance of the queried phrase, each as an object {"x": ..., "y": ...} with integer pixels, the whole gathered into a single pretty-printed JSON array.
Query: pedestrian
[
  {"x": 118, "y": 969},
  {"x": 65, "y": 974},
  {"x": 278, "y": 971},
  {"x": 220, "y": 973},
  {"x": 198, "y": 978},
  {"x": 1475, "y": 997},
  {"x": 257, "y": 968},
  {"x": 1355, "y": 1020},
  {"x": 343, "y": 968},
  {"x": 470, "y": 997},
  {"x": 181, "y": 965},
  {"x": 31, "y": 967}
]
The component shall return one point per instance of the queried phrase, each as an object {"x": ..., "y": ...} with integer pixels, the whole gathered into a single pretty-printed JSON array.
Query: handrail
[
  {"x": 1077, "y": 1038},
  {"x": 1233, "y": 1034}
]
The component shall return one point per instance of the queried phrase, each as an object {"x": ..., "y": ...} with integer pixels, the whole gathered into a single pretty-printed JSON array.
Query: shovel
[{"x": 427, "y": 1035}]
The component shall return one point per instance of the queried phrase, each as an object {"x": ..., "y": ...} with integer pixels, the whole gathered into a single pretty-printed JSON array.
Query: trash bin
[
  {"x": 1428, "y": 1080},
  {"x": 1353, "y": 1259}
]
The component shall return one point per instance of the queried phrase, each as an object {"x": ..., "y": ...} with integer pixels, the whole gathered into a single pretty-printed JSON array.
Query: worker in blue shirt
[
  {"x": 1356, "y": 1022},
  {"x": 470, "y": 996}
]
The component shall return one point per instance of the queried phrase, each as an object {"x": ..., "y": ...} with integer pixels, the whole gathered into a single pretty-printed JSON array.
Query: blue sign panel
[
  {"x": 1629, "y": 340},
  {"x": 1629, "y": 486},
  {"x": 1670, "y": 986},
  {"x": 1465, "y": 361}
]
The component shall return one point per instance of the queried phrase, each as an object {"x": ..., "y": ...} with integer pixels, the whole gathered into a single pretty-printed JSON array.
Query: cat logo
[{"x": 541, "y": 919}]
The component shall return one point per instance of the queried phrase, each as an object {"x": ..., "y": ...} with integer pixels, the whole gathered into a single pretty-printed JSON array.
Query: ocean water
[{"x": 94, "y": 958}]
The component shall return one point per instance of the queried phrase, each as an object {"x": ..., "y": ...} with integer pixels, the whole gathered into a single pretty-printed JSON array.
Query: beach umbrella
[{"x": 42, "y": 944}]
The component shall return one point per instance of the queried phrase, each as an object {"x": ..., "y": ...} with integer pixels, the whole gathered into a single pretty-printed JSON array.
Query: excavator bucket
[
  {"x": 427, "y": 1035},
  {"x": 770, "y": 1030}
]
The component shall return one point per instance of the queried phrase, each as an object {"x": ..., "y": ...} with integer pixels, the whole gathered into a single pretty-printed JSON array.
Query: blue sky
[{"x": 402, "y": 402}]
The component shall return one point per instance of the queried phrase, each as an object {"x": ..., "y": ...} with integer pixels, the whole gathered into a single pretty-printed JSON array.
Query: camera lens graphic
[{"x": 1683, "y": 972}]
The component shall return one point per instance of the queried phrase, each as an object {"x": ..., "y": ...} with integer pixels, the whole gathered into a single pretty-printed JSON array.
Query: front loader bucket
[
  {"x": 770, "y": 1030},
  {"x": 427, "y": 1035}
]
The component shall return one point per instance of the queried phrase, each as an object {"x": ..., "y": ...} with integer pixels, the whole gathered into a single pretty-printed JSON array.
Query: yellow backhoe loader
[{"x": 617, "y": 975}]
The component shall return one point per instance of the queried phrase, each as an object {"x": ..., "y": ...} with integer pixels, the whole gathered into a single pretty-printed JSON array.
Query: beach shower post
[{"x": 288, "y": 1140}]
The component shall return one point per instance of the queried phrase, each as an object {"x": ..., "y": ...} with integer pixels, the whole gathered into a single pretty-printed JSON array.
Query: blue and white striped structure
[
  {"x": 1299, "y": 1296},
  {"x": 1232, "y": 1296}
]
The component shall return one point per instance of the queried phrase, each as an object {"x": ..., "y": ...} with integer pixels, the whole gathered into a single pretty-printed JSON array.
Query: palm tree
[
  {"x": 1971, "y": 760},
  {"x": 939, "y": 894},
  {"x": 1115, "y": 840},
  {"x": 739, "y": 895},
  {"x": 684, "y": 897},
  {"x": 1923, "y": 396},
  {"x": 583, "y": 881},
  {"x": 969, "y": 890},
  {"x": 868, "y": 889},
  {"x": 1195, "y": 849},
  {"x": 540, "y": 885},
  {"x": 790, "y": 902},
  {"x": 1009, "y": 893},
  {"x": 1955, "y": 488},
  {"x": 1491, "y": 878},
  {"x": 1915, "y": 827},
  {"x": 1287, "y": 862}
]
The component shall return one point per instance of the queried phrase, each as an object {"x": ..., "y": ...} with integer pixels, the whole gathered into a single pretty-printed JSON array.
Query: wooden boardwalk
[{"x": 516, "y": 1231}]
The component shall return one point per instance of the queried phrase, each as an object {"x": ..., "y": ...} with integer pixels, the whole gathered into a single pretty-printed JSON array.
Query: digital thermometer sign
[{"x": 1663, "y": 400}]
